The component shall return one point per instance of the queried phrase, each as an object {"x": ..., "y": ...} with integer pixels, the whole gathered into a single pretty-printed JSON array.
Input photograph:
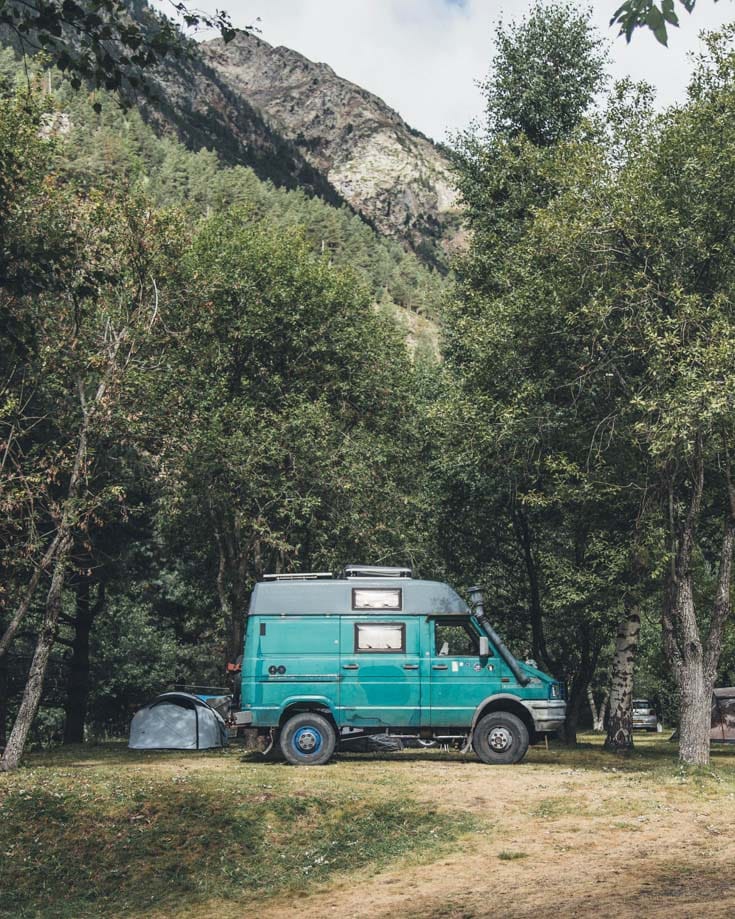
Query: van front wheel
[
  {"x": 500, "y": 738},
  {"x": 308, "y": 739}
]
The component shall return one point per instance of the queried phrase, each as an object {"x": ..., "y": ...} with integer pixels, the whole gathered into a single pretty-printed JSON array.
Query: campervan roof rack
[
  {"x": 374, "y": 571},
  {"x": 298, "y": 576}
]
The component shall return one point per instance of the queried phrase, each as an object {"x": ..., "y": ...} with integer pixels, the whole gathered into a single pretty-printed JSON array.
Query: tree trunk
[
  {"x": 598, "y": 714},
  {"x": 693, "y": 681},
  {"x": 696, "y": 665},
  {"x": 620, "y": 721},
  {"x": 3, "y": 701},
  {"x": 230, "y": 564},
  {"x": 694, "y": 668},
  {"x": 34, "y": 684},
  {"x": 77, "y": 693},
  {"x": 696, "y": 714},
  {"x": 538, "y": 640},
  {"x": 577, "y": 695},
  {"x": 114, "y": 342},
  {"x": 25, "y": 601}
]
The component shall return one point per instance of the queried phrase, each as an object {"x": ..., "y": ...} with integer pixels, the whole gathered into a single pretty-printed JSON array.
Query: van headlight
[{"x": 554, "y": 690}]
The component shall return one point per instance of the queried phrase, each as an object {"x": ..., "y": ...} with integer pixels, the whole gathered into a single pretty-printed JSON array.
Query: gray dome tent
[{"x": 177, "y": 721}]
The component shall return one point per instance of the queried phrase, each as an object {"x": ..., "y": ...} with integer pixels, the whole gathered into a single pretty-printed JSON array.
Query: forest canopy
[{"x": 204, "y": 378}]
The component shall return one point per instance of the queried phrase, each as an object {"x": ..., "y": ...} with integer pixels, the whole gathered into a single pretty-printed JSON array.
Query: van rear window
[
  {"x": 380, "y": 637},
  {"x": 377, "y": 598}
]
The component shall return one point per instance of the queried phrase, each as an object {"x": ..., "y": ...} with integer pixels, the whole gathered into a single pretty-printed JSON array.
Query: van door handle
[
  {"x": 440, "y": 666},
  {"x": 350, "y": 667},
  {"x": 410, "y": 666}
]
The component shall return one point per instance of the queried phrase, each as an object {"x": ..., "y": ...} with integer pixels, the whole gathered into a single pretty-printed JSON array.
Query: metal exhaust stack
[{"x": 479, "y": 613}]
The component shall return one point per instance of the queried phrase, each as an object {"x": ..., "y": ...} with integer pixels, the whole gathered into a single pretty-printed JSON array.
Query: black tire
[
  {"x": 308, "y": 739},
  {"x": 500, "y": 739}
]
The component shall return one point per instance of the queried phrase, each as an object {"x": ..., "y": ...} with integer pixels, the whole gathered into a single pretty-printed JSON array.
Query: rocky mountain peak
[{"x": 393, "y": 175}]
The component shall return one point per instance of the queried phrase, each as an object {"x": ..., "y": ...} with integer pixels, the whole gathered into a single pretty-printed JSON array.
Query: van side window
[
  {"x": 380, "y": 637},
  {"x": 454, "y": 639},
  {"x": 377, "y": 598}
]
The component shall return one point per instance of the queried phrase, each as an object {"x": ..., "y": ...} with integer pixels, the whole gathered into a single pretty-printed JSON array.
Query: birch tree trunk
[
  {"x": 598, "y": 714},
  {"x": 620, "y": 721}
]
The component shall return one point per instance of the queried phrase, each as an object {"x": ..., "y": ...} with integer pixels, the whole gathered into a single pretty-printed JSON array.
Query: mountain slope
[
  {"x": 195, "y": 103},
  {"x": 389, "y": 173}
]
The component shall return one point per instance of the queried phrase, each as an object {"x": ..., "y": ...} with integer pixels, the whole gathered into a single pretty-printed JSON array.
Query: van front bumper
[{"x": 548, "y": 714}]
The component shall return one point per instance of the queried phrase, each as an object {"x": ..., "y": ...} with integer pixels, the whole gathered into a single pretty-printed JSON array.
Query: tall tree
[
  {"x": 632, "y": 264},
  {"x": 545, "y": 75},
  {"x": 289, "y": 405},
  {"x": 80, "y": 312},
  {"x": 546, "y": 71}
]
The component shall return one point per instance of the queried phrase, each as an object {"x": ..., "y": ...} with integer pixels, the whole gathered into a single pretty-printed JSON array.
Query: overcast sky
[{"x": 424, "y": 57}]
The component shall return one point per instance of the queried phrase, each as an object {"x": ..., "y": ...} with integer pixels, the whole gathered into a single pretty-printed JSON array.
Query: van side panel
[
  {"x": 289, "y": 658},
  {"x": 380, "y": 688}
]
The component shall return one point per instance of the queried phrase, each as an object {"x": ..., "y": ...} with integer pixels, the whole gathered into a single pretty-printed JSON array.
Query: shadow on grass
[
  {"x": 649, "y": 753},
  {"x": 123, "y": 844},
  {"x": 86, "y": 756}
]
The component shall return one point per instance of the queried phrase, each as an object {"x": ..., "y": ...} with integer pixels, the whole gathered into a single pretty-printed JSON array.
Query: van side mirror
[{"x": 484, "y": 646}]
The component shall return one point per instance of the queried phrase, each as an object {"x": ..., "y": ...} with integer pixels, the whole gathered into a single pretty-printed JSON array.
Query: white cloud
[{"x": 424, "y": 56}]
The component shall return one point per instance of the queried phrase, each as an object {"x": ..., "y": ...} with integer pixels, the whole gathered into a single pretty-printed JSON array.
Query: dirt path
[{"x": 552, "y": 841}]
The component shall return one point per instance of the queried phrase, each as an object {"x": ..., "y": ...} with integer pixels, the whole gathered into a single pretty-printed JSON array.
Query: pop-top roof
[
  {"x": 356, "y": 596},
  {"x": 350, "y": 571}
]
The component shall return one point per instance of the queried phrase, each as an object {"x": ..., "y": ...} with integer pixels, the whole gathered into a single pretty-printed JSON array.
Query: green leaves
[
  {"x": 546, "y": 71},
  {"x": 635, "y": 14},
  {"x": 657, "y": 24},
  {"x": 287, "y": 407}
]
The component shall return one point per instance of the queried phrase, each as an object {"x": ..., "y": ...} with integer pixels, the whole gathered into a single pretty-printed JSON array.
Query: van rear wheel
[
  {"x": 500, "y": 738},
  {"x": 308, "y": 739}
]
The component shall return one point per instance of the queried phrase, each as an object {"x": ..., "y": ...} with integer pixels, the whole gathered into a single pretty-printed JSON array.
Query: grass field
[{"x": 101, "y": 831}]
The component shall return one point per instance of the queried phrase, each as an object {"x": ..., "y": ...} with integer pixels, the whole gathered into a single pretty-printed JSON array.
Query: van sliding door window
[
  {"x": 380, "y": 637},
  {"x": 377, "y": 598}
]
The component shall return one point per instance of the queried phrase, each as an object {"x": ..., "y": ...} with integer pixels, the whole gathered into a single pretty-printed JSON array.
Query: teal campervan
[{"x": 328, "y": 660}]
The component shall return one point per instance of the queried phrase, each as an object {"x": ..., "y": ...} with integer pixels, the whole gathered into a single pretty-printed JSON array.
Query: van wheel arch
[
  {"x": 512, "y": 707},
  {"x": 297, "y": 708}
]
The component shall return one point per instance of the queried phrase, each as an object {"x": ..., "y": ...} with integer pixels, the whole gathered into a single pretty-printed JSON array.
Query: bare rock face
[
  {"x": 194, "y": 102},
  {"x": 391, "y": 174}
]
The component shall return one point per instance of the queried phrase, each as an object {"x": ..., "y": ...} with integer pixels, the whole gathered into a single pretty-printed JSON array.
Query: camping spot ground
[{"x": 101, "y": 831}]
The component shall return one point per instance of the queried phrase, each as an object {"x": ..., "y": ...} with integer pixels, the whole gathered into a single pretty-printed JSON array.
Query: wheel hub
[
  {"x": 307, "y": 740},
  {"x": 500, "y": 739}
]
